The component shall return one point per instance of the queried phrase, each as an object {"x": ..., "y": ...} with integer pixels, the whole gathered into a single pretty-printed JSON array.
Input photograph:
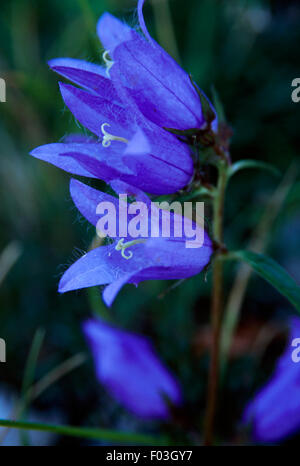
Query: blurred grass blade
[
  {"x": 90, "y": 433},
  {"x": 244, "y": 164},
  {"x": 219, "y": 107},
  {"x": 29, "y": 377},
  {"x": 56, "y": 374},
  {"x": 164, "y": 28},
  {"x": 9, "y": 257},
  {"x": 273, "y": 273},
  {"x": 45, "y": 382},
  {"x": 258, "y": 243}
]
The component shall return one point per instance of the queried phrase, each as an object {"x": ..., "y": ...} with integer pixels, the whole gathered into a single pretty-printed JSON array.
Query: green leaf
[
  {"x": 243, "y": 164},
  {"x": 273, "y": 273},
  {"x": 207, "y": 110},
  {"x": 218, "y": 105},
  {"x": 91, "y": 433}
]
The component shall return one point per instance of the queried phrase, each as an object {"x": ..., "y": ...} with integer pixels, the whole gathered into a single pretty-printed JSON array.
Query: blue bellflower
[
  {"x": 137, "y": 259},
  {"x": 126, "y": 105},
  {"x": 126, "y": 364},
  {"x": 275, "y": 411},
  {"x": 148, "y": 76}
]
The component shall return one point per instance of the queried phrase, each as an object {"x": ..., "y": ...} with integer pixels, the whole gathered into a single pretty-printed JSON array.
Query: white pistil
[
  {"x": 121, "y": 246},
  {"x": 107, "y": 137},
  {"x": 108, "y": 63}
]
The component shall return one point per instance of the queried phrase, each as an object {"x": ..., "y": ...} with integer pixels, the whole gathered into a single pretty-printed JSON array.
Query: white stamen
[
  {"x": 121, "y": 246},
  {"x": 107, "y": 137},
  {"x": 108, "y": 63}
]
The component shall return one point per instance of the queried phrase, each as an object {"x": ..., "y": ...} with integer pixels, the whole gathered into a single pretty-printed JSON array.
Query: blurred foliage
[{"x": 248, "y": 51}]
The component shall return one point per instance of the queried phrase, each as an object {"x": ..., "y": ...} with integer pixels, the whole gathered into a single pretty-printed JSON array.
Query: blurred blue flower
[
  {"x": 128, "y": 367},
  {"x": 275, "y": 411},
  {"x": 151, "y": 258}
]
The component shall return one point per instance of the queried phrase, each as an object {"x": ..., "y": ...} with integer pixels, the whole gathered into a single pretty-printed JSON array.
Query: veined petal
[
  {"x": 171, "y": 260},
  {"x": 120, "y": 187},
  {"x": 53, "y": 153},
  {"x": 160, "y": 88},
  {"x": 168, "y": 148},
  {"x": 169, "y": 166},
  {"x": 98, "y": 267},
  {"x": 112, "y": 31},
  {"x": 92, "y": 111},
  {"x": 88, "y": 75},
  {"x": 87, "y": 199},
  {"x": 91, "y": 269},
  {"x": 151, "y": 259},
  {"x": 166, "y": 161},
  {"x": 154, "y": 175},
  {"x": 84, "y": 159},
  {"x": 110, "y": 292},
  {"x": 102, "y": 163}
]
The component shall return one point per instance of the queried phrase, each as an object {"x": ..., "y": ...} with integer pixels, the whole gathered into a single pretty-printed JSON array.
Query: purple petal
[
  {"x": 166, "y": 161},
  {"x": 103, "y": 163},
  {"x": 131, "y": 371},
  {"x": 90, "y": 159},
  {"x": 54, "y": 154},
  {"x": 87, "y": 199},
  {"x": 169, "y": 166},
  {"x": 90, "y": 270},
  {"x": 150, "y": 261},
  {"x": 275, "y": 410},
  {"x": 88, "y": 75},
  {"x": 112, "y": 31},
  {"x": 142, "y": 20},
  {"x": 111, "y": 291},
  {"x": 138, "y": 145},
  {"x": 92, "y": 111},
  {"x": 159, "y": 87},
  {"x": 98, "y": 267},
  {"x": 171, "y": 260},
  {"x": 120, "y": 187}
]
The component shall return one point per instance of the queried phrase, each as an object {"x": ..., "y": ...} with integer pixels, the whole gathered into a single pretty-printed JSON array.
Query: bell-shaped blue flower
[
  {"x": 131, "y": 259},
  {"x": 147, "y": 75},
  {"x": 128, "y": 147},
  {"x": 127, "y": 365}
]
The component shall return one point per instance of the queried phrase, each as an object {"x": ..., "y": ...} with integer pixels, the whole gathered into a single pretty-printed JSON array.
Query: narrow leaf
[
  {"x": 218, "y": 106},
  {"x": 208, "y": 112},
  {"x": 273, "y": 273},
  {"x": 243, "y": 164},
  {"x": 91, "y": 433},
  {"x": 28, "y": 378}
]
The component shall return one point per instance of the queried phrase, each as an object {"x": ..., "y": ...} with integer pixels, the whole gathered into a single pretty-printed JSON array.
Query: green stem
[
  {"x": 216, "y": 306},
  {"x": 90, "y": 433}
]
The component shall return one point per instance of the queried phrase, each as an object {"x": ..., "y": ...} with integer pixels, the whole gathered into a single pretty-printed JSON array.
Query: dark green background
[{"x": 249, "y": 51}]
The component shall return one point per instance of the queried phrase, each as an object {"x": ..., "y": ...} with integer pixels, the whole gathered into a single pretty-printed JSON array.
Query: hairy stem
[{"x": 216, "y": 307}]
